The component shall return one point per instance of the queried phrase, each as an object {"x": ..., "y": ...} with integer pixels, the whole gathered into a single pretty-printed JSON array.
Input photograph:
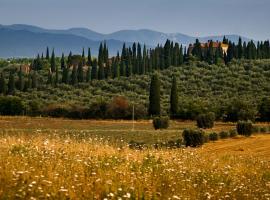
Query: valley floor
[{"x": 44, "y": 158}]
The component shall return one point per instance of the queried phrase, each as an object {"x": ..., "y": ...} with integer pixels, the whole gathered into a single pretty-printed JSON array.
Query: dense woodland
[{"x": 167, "y": 80}]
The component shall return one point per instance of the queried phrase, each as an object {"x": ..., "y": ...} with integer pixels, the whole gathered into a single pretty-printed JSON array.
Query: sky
[{"x": 250, "y": 18}]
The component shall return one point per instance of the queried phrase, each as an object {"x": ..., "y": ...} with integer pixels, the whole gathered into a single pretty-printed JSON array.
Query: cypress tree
[
  {"x": 89, "y": 58},
  {"x": 65, "y": 76},
  {"x": 88, "y": 74},
  {"x": 122, "y": 68},
  {"x": 100, "y": 55},
  {"x": 47, "y": 54},
  {"x": 139, "y": 59},
  {"x": 210, "y": 53},
  {"x": 174, "y": 98},
  {"x": 94, "y": 70},
  {"x": 197, "y": 50},
  {"x": 167, "y": 54},
  {"x": 144, "y": 60},
  {"x": 83, "y": 58},
  {"x": 69, "y": 61},
  {"x": 101, "y": 74},
  {"x": 11, "y": 84},
  {"x": 80, "y": 72},
  {"x": 49, "y": 78},
  {"x": 20, "y": 83},
  {"x": 240, "y": 48},
  {"x": 28, "y": 84},
  {"x": 2, "y": 84},
  {"x": 63, "y": 65},
  {"x": 116, "y": 71},
  {"x": 56, "y": 76},
  {"x": 154, "y": 96},
  {"x": 74, "y": 76},
  {"x": 181, "y": 56},
  {"x": 34, "y": 80},
  {"x": 53, "y": 65}
]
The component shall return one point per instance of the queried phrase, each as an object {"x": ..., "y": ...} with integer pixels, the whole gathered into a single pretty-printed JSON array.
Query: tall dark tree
[
  {"x": 63, "y": 65},
  {"x": 34, "y": 80},
  {"x": 240, "y": 48},
  {"x": 89, "y": 58},
  {"x": 197, "y": 50},
  {"x": 94, "y": 71},
  {"x": 101, "y": 73},
  {"x": 100, "y": 55},
  {"x": 47, "y": 54},
  {"x": 2, "y": 84},
  {"x": 56, "y": 80},
  {"x": 74, "y": 76},
  {"x": 167, "y": 54},
  {"x": 11, "y": 84},
  {"x": 65, "y": 76},
  {"x": 88, "y": 74},
  {"x": 80, "y": 73},
  {"x": 20, "y": 81},
  {"x": 83, "y": 58},
  {"x": 174, "y": 98},
  {"x": 181, "y": 56},
  {"x": 53, "y": 64},
  {"x": 154, "y": 96},
  {"x": 49, "y": 78},
  {"x": 116, "y": 70}
]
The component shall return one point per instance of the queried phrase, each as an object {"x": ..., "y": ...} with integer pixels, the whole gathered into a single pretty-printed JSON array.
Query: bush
[
  {"x": 244, "y": 128},
  {"x": 223, "y": 135},
  {"x": 213, "y": 136},
  {"x": 118, "y": 108},
  {"x": 193, "y": 138},
  {"x": 233, "y": 133},
  {"x": 263, "y": 129},
  {"x": 161, "y": 122},
  {"x": 11, "y": 106},
  {"x": 56, "y": 110},
  {"x": 206, "y": 120}
]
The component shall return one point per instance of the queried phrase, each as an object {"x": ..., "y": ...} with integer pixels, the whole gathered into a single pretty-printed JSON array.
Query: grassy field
[{"x": 43, "y": 158}]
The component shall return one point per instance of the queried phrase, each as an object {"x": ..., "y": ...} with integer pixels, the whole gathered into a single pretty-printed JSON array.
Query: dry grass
[{"x": 45, "y": 159}]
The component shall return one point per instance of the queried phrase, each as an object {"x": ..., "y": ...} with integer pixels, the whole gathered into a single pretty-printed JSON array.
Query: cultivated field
[{"x": 42, "y": 158}]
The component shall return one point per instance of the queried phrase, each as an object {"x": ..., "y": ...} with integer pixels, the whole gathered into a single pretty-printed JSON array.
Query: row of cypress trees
[{"x": 246, "y": 50}]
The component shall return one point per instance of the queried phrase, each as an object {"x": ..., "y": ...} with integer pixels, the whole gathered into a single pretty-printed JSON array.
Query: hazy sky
[{"x": 249, "y": 18}]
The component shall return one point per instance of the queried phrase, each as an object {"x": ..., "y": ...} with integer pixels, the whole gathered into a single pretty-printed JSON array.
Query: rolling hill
[{"x": 21, "y": 40}]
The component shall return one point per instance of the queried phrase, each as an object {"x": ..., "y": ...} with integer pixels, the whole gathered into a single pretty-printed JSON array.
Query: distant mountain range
[{"x": 21, "y": 40}]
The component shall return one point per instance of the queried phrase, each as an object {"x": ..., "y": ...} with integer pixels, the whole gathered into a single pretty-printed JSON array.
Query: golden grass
[{"x": 41, "y": 159}]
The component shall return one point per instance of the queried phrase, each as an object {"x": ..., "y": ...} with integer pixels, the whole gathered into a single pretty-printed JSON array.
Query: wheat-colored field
[{"x": 43, "y": 158}]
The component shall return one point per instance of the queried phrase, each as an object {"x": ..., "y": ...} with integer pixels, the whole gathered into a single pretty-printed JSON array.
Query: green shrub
[
  {"x": 11, "y": 106},
  {"x": 206, "y": 120},
  {"x": 232, "y": 133},
  {"x": 213, "y": 136},
  {"x": 161, "y": 122},
  {"x": 194, "y": 137},
  {"x": 244, "y": 128},
  {"x": 263, "y": 129},
  {"x": 224, "y": 135}
]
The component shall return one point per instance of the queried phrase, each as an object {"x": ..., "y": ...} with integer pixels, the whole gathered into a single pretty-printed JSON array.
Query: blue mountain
[{"x": 21, "y": 40}]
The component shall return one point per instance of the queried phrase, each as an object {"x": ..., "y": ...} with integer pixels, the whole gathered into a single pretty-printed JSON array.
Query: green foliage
[
  {"x": 154, "y": 96},
  {"x": 264, "y": 110},
  {"x": 2, "y": 84},
  {"x": 233, "y": 133},
  {"x": 11, "y": 106},
  {"x": 244, "y": 128},
  {"x": 224, "y": 135},
  {"x": 193, "y": 137},
  {"x": 11, "y": 84},
  {"x": 213, "y": 136},
  {"x": 206, "y": 120},
  {"x": 161, "y": 122},
  {"x": 174, "y": 98}
]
